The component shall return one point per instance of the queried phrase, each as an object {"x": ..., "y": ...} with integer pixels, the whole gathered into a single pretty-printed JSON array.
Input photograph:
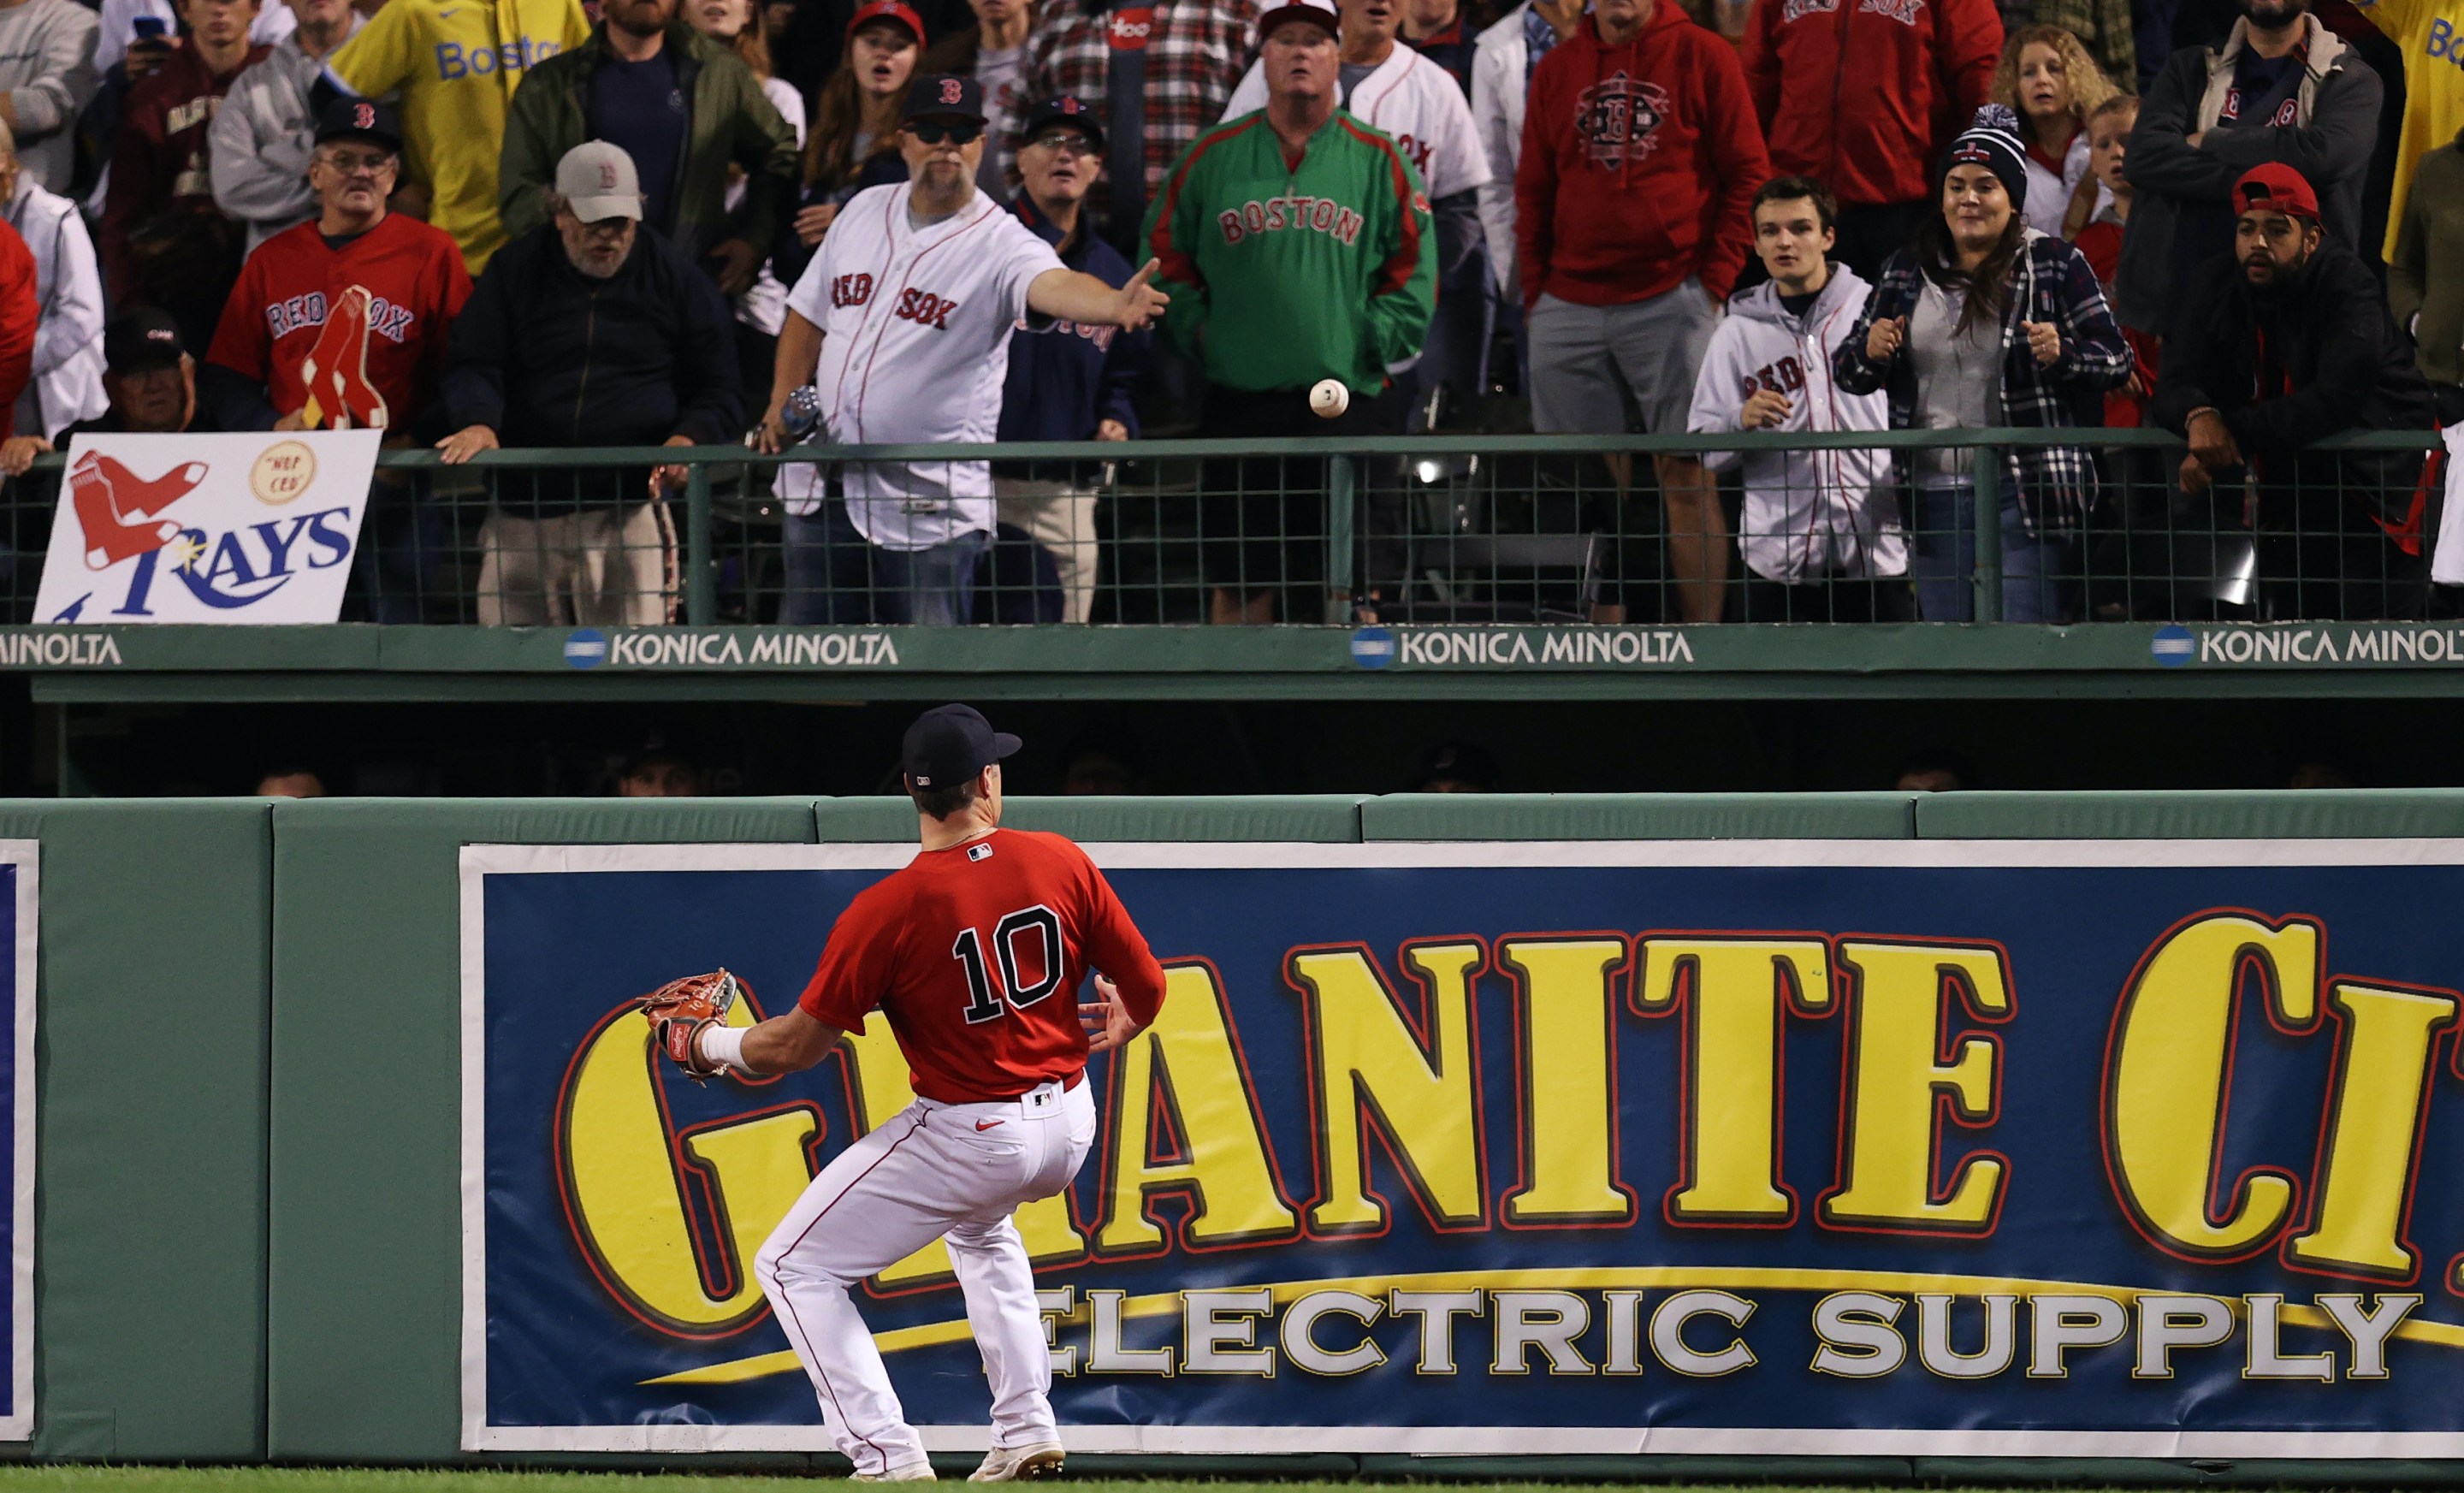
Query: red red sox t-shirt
[
  {"x": 389, "y": 296},
  {"x": 974, "y": 953}
]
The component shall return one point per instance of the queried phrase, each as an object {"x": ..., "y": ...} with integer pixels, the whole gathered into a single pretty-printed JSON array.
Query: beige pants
[
  {"x": 595, "y": 567},
  {"x": 1061, "y": 519}
]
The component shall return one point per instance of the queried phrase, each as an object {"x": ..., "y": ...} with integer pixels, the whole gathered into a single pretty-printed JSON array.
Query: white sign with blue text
[{"x": 255, "y": 527}]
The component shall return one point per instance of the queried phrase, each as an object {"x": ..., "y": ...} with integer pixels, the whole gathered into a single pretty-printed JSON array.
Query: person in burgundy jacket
[
  {"x": 1632, "y": 217},
  {"x": 1864, "y": 94}
]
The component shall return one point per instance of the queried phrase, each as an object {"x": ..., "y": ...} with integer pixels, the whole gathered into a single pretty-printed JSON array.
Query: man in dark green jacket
[{"x": 684, "y": 107}]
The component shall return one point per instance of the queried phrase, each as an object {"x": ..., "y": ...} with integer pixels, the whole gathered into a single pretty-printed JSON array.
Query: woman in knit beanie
[{"x": 1984, "y": 323}]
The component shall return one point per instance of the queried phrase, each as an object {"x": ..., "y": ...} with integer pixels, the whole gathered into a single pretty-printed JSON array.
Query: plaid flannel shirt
[
  {"x": 2055, "y": 484},
  {"x": 1196, "y": 54}
]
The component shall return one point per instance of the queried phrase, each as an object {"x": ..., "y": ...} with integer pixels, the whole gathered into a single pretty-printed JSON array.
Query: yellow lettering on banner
[
  {"x": 1426, "y": 1101},
  {"x": 1187, "y": 1064},
  {"x": 628, "y": 1202},
  {"x": 878, "y": 1086},
  {"x": 1887, "y": 1175},
  {"x": 1741, "y": 990},
  {"x": 2164, "y": 1104},
  {"x": 1568, "y": 1081},
  {"x": 2363, "y": 1191}
]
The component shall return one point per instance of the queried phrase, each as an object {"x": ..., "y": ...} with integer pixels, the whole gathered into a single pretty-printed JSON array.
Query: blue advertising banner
[{"x": 1904, "y": 1148}]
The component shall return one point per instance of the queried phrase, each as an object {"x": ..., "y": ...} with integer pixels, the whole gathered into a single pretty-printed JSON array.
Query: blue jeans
[
  {"x": 2039, "y": 572},
  {"x": 835, "y": 575}
]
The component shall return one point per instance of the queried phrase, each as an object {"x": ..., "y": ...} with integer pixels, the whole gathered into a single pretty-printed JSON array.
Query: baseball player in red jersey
[
  {"x": 972, "y": 954},
  {"x": 339, "y": 323}
]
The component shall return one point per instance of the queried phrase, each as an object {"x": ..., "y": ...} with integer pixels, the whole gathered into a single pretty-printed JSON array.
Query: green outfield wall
[{"x": 248, "y": 1080}]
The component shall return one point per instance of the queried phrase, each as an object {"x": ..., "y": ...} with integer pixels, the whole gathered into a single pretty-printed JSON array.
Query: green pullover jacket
[{"x": 1281, "y": 275}]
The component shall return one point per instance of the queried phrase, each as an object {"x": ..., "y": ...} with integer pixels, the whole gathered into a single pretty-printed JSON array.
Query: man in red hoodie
[
  {"x": 1862, "y": 94},
  {"x": 1632, "y": 216}
]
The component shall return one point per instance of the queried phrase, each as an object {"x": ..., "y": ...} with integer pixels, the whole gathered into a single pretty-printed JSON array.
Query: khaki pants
[
  {"x": 1061, "y": 518},
  {"x": 595, "y": 567}
]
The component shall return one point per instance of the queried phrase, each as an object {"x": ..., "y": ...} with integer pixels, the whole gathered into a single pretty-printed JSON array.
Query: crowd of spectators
[{"x": 547, "y": 224}]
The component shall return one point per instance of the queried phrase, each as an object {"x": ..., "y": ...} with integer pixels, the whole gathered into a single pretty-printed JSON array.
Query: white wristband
[{"x": 725, "y": 1046}]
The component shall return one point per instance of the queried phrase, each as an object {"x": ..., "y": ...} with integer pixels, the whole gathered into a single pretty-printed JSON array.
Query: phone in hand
[
  {"x": 149, "y": 46},
  {"x": 150, "y": 28}
]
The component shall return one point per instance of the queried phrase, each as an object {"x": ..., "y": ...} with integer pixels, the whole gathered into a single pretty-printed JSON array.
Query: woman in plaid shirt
[{"x": 1985, "y": 323}]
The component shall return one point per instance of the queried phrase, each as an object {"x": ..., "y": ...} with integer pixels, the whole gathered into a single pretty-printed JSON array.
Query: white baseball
[{"x": 1329, "y": 398}]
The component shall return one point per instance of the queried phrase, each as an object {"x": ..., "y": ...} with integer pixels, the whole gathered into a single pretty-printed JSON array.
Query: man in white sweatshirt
[
  {"x": 1820, "y": 534},
  {"x": 65, "y": 383},
  {"x": 47, "y": 76},
  {"x": 263, "y": 135}
]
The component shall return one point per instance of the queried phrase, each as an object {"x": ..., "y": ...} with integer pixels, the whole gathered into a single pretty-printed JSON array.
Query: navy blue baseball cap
[
  {"x": 360, "y": 118},
  {"x": 1062, "y": 110},
  {"x": 949, "y": 744},
  {"x": 948, "y": 96}
]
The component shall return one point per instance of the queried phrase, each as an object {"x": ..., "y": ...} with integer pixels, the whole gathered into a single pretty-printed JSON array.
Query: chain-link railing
[{"x": 1881, "y": 527}]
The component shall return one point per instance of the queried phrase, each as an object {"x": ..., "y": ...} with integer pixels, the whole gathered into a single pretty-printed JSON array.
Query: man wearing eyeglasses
[
  {"x": 1067, "y": 382},
  {"x": 339, "y": 323},
  {"x": 902, "y": 324}
]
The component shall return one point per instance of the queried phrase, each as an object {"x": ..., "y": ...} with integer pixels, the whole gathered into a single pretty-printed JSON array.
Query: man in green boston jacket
[
  {"x": 1296, "y": 245},
  {"x": 728, "y": 122}
]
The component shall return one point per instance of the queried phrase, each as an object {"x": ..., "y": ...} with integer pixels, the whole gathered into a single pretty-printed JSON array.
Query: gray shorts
[{"x": 1592, "y": 366}]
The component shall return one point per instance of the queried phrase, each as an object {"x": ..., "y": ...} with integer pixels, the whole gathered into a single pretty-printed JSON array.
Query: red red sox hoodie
[{"x": 1640, "y": 164}]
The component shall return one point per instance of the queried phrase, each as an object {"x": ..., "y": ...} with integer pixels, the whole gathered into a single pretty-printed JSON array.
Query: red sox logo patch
[
  {"x": 364, "y": 117},
  {"x": 951, "y": 92},
  {"x": 606, "y": 176},
  {"x": 1619, "y": 116}
]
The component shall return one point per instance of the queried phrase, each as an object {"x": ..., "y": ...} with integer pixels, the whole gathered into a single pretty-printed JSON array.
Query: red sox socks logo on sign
[
  {"x": 1618, "y": 118},
  {"x": 107, "y": 496}
]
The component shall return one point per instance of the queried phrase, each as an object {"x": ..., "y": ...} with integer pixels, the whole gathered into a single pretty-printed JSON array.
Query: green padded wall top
[
  {"x": 2284, "y": 813},
  {"x": 1638, "y": 816}
]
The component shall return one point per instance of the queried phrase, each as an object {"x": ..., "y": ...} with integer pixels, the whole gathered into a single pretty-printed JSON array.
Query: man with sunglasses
[{"x": 902, "y": 324}]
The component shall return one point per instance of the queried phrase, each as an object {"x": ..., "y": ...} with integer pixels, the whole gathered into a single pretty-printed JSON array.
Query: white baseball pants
[{"x": 933, "y": 1170}]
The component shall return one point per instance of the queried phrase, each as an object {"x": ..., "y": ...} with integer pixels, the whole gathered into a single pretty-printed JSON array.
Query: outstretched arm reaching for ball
[{"x": 1072, "y": 296}]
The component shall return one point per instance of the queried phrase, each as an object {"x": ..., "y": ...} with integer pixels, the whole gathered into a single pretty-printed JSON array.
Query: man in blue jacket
[
  {"x": 1067, "y": 382},
  {"x": 587, "y": 333}
]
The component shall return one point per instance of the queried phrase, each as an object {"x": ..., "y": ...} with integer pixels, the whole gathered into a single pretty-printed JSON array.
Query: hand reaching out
[{"x": 1105, "y": 1017}]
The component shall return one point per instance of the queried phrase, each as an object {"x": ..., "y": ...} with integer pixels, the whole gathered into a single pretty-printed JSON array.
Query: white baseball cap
[
  {"x": 597, "y": 181},
  {"x": 1322, "y": 12}
]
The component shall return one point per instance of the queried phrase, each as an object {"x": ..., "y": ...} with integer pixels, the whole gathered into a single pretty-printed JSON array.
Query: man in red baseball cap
[{"x": 2267, "y": 362}]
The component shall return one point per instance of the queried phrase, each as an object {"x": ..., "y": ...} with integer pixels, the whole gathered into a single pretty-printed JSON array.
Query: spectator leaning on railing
[
  {"x": 683, "y": 107},
  {"x": 165, "y": 241},
  {"x": 2283, "y": 88},
  {"x": 1298, "y": 247},
  {"x": 1821, "y": 530},
  {"x": 587, "y": 333},
  {"x": 1066, "y": 382},
  {"x": 149, "y": 378},
  {"x": 1984, "y": 322},
  {"x": 1640, "y": 154},
  {"x": 47, "y": 78},
  {"x": 66, "y": 382},
  {"x": 902, "y": 324},
  {"x": 262, "y": 136},
  {"x": 2287, "y": 342},
  {"x": 455, "y": 64},
  {"x": 1860, "y": 95}
]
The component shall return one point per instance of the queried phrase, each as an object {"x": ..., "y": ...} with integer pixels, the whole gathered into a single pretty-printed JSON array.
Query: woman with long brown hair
[
  {"x": 854, "y": 140},
  {"x": 1982, "y": 323}
]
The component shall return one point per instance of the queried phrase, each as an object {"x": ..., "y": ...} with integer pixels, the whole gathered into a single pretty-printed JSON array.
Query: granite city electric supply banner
[{"x": 1905, "y": 1148}]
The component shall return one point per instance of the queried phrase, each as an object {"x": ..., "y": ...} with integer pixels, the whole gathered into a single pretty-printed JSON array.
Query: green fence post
[
  {"x": 1338, "y": 540},
  {"x": 1989, "y": 534},
  {"x": 701, "y": 566}
]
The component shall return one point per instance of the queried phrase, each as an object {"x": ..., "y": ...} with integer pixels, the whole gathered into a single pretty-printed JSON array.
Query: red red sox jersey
[
  {"x": 974, "y": 953},
  {"x": 354, "y": 335},
  {"x": 915, "y": 326}
]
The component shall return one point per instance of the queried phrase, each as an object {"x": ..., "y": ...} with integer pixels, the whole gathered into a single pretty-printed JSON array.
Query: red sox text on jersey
[
  {"x": 913, "y": 305},
  {"x": 1785, "y": 377},
  {"x": 386, "y": 319}
]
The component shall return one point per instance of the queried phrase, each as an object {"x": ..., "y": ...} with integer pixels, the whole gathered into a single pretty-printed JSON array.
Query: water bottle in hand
[{"x": 802, "y": 415}]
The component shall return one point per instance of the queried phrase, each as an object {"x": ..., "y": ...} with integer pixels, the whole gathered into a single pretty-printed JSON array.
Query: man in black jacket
[
  {"x": 2284, "y": 344},
  {"x": 587, "y": 333}
]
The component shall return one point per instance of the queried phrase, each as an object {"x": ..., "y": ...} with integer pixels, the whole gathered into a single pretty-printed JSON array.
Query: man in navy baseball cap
[{"x": 949, "y": 745}]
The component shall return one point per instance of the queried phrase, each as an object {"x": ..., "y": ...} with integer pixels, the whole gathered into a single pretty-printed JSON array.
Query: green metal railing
[{"x": 1429, "y": 528}]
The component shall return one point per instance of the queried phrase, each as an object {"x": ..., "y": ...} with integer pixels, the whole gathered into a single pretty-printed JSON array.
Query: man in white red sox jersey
[
  {"x": 972, "y": 952},
  {"x": 902, "y": 324}
]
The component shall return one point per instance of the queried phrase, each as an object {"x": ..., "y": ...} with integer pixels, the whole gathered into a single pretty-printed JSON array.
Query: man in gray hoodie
[
  {"x": 262, "y": 137},
  {"x": 47, "y": 75}
]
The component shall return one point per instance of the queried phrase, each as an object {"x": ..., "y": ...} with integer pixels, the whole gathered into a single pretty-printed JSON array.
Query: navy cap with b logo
[
  {"x": 945, "y": 96},
  {"x": 361, "y": 118},
  {"x": 949, "y": 744},
  {"x": 1062, "y": 110}
]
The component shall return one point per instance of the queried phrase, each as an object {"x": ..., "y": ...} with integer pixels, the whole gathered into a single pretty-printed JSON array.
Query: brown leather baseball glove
[{"x": 678, "y": 1011}]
